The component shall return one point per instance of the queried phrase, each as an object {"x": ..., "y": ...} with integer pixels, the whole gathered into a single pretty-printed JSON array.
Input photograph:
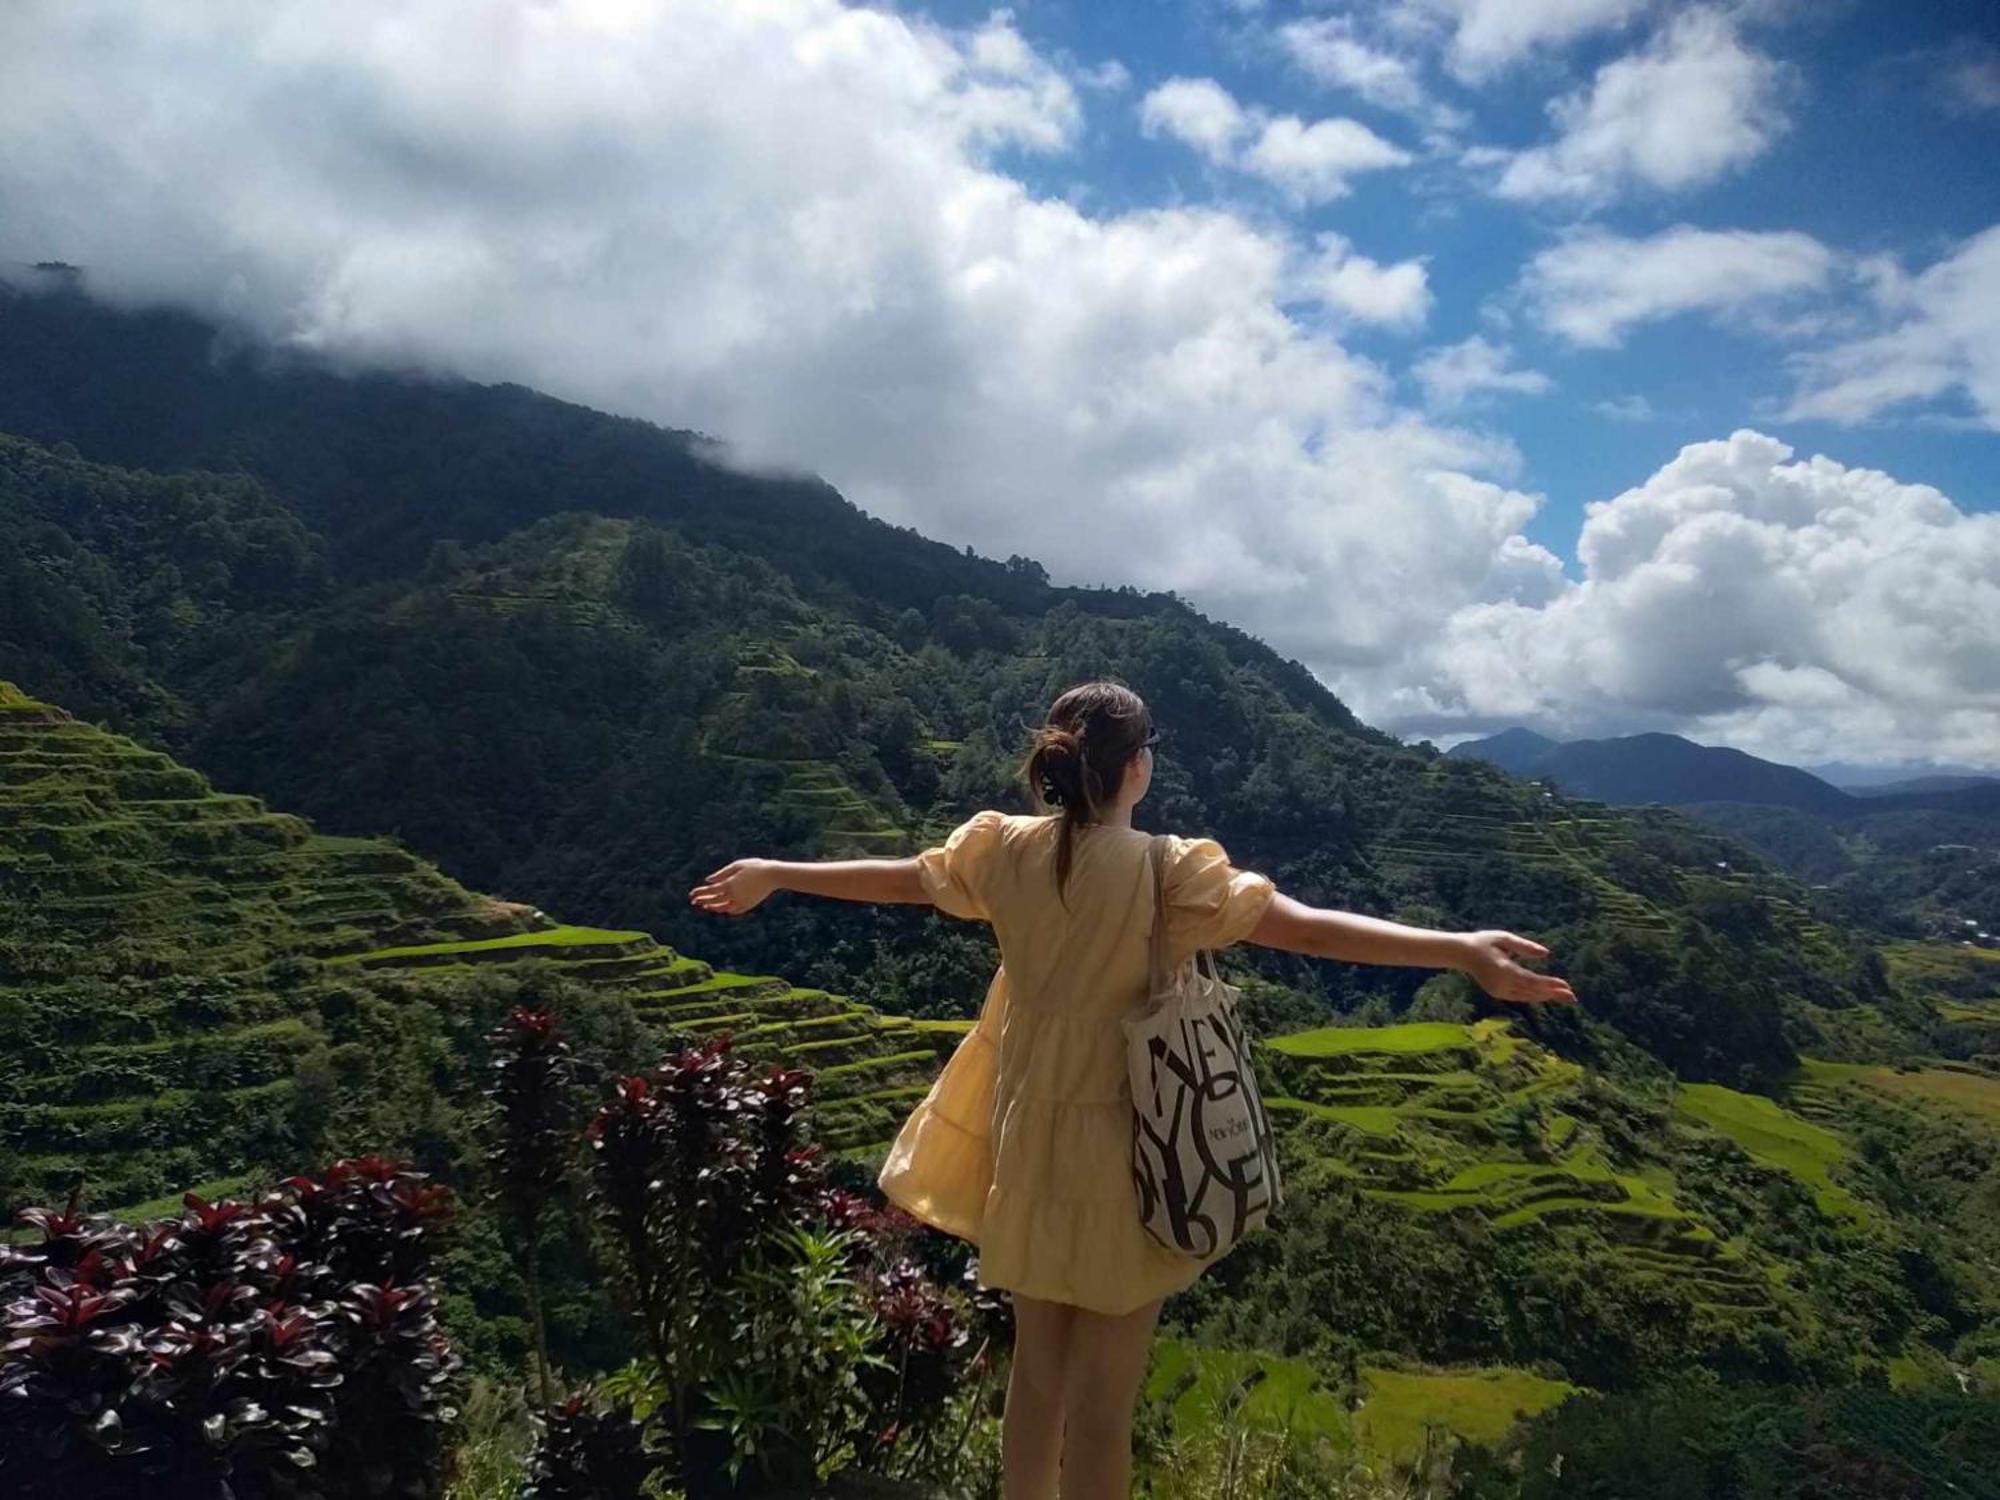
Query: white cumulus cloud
[
  {"x": 1198, "y": 112},
  {"x": 1593, "y": 286},
  {"x": 1312, "y": 162},
  {"x": 1942, "y": 339},
  {"x": 1485, "y": 36},
  {"x": 1453, "y": 374},
  {"x": 1331, "y": 50},
  {"x": 1349, "y": 283},
  {"x": 1309, "y": 161},
  {"x": 783, "y": 225},
  {"x": 1803, "y": 610},
  {"x": 1693, "y": 104}
]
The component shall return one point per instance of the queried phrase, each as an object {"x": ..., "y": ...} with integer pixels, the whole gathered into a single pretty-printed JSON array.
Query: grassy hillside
[
  {"x": 1761, "y": 1127},
  {"x": 200, "y": 992},
  {"x": 1473, "y": 1120},
  {"x": 596, "y": 710},
  {"x": 170, "y": 956},
  {"x": 1463, "y": 1194},
  {"x": 1375, "y": 1416}
]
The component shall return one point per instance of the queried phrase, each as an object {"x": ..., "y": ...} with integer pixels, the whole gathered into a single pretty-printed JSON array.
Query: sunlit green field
[
  {"x": 1477, "y": 1405},
  {"x": 1394, "y": 1408},
  {"x": 1772, "y": 1134},
  {"x": 1331, "y": 1041},
  {"x": 1976, "y": 1094}
]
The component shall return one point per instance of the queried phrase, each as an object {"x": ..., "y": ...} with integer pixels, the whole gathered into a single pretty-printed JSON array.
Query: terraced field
[
  {"x": 1772, "y": 1134},
  {"x": 117, "y": 859},
  {"x": 1383, "y": 1421},
  {"x": 1566, "y": 844},
  {"x": 589, "y": 614},
  {"x": 1575, "y": 841},
  {"x": 1815, "y": 1091},
  {"x": 145, "y": 924},
  {"x": 1449, "y": 1118},
  {"x": 869, "y": 1069},
  {"x": 846, "y": 820},
  {"x": 158, "y": 938}
]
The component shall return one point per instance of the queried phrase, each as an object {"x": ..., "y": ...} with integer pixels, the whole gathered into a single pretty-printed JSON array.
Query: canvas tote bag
[{"x": 1203, "y": 1156}]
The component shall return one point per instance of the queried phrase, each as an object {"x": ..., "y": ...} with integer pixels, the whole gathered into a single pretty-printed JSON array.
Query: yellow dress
[{"x": 1023, "y": 1144}]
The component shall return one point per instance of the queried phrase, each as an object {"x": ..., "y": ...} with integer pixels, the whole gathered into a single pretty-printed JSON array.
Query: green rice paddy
[
  {"x": 1439, "y": 1117},
  {"x": 1333, "y": 1041},
  {"x": 554, "y": 937},
  {"x": 1393, "y": 1411},
  {"x": 1772, "y": 1134}
]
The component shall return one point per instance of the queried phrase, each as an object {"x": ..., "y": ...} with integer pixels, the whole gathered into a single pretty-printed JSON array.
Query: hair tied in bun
[{"x": 1079, "y": 755}]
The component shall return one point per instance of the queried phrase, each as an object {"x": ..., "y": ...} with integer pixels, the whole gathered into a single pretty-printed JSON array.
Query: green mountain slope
[
  {"x": 1919, "y": 859},
  {"x": 595, "y": 711},
  {"x": 571, "y": 659},
  {"x": 195, "y": 990},
  {"x": 167, "y": 952},
  {"x": 1640, "y": 768}
]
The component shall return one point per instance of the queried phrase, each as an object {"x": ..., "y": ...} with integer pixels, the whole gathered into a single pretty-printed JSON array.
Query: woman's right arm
[
  {"x": 1490, "y": 958},
  {"x": 742, "y": 884}
]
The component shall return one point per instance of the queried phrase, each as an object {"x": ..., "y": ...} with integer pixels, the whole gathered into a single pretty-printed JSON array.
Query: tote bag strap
[
  {"x": 1160, "y": 971},
  {"x": 1157, "y": 968}
]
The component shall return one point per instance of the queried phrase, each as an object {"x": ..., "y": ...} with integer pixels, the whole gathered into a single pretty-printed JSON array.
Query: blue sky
[
  {"x": 1596, "y": 366},
  {"x": 1878, "y": 156}
]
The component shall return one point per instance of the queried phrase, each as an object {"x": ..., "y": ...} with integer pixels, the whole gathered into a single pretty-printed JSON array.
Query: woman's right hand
[
  {"x": 1492, "y": 959},
  {"x": 735, "y": 888}
]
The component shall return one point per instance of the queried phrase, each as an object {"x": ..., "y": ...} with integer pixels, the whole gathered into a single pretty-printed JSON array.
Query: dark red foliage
[
  {"x": 924, "y": 1339},
  {"x": 695, "y": 1165},
  {"x": 881, "y": 1222},
  {"x": 586, "y": 1449},
  {"x": 287, "y": 1348},
  {"x": 531, "y": 1087},
  {"x": 691, "y": 1163}
]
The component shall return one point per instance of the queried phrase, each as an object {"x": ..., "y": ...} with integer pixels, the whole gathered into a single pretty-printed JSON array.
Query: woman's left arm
[
  {"x": 1491, "y": 957},
  {"x": 742, "y": 884}
]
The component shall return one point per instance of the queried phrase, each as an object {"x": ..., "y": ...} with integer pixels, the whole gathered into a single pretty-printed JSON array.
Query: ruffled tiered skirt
[{"x": 1023, "y": 1147}]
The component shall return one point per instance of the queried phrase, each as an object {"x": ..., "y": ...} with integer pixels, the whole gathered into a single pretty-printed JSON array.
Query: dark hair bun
[
  {"x": 1059, "y": 761},
  {"x": 1079, "y": 755}
]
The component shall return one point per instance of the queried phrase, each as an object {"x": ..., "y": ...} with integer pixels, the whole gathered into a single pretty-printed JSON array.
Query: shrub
[
  {"x": 587, "y": 1448},
  {"x": 532, "y": 1076},
  {"x": 287, "y": 1348},
  {"x": 788, "y": 1333}
]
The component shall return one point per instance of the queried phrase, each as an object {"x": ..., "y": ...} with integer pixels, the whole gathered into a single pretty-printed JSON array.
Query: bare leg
[
  {"x": 1107, "y": 1361},
  {"x": 1031, "y": 1432}
]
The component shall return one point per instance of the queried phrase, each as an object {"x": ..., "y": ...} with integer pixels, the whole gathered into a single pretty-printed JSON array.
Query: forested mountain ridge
[
  {"x": 1677, "y": 772},
  {"x": 1640, "y": 768},
  {"x": 383, "y": 465},
  {"x": 196, "y": 989},
  {"x": 574, "y": 661},
  {"x": 1918, "y": 859},
  {"x": 635, "y": 665}
]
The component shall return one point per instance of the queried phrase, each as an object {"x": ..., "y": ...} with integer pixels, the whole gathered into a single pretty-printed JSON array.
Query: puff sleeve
[
  {"x": 954, "y": 873},
  {"x": 1211, "y": 903}
]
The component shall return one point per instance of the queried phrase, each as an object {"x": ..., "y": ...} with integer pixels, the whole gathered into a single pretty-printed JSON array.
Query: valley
[{"x": 343, "y": 716}]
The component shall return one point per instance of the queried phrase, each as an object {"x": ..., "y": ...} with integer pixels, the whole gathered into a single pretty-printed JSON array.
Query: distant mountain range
[
  {"x": 1920, "y": 856},
  {"x": 1925, "y": 776},
  {"x": 1674, "y": 770}
]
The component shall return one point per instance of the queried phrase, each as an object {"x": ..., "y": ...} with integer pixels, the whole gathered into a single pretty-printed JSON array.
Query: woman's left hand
[
  {"x": 1493, "y": 960},
  {"x": 735, "y": 888}
]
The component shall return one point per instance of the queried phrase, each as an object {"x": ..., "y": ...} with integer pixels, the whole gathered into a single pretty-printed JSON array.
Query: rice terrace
[{"x": 924, "y": 750}]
